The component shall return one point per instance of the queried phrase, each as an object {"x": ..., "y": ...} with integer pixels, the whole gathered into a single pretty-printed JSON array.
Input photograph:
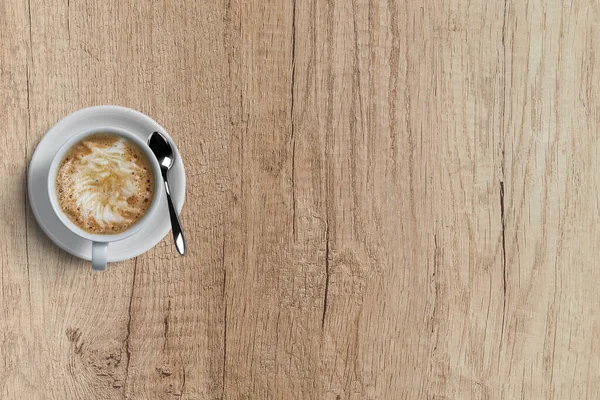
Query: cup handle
[{"x": 99, "y": 251}]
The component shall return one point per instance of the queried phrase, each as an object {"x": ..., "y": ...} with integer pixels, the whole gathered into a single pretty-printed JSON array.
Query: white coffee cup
[{"x": 100, "y": 242}]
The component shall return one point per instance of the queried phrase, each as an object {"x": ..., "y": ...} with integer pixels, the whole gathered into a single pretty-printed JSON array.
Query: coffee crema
[{"x": 105, "y": 184}]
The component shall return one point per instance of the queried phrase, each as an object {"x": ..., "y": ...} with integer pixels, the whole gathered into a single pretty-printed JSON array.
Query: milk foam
[{"x": 104, "y": 185}]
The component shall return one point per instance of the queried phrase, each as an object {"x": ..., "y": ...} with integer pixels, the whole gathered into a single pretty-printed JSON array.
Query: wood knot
[
  {"x": 164, "y": 371},
  {"x": 74, "y": 336}
]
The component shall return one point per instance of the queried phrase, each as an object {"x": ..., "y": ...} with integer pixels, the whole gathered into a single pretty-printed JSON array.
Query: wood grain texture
[{"x": 386, "y": 200}]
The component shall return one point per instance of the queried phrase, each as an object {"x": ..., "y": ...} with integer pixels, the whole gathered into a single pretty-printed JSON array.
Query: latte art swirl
[{"x": 105, "y": 184}]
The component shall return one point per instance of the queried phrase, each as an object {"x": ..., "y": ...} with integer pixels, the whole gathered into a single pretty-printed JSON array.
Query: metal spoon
[{"x": 164, "y": 154}]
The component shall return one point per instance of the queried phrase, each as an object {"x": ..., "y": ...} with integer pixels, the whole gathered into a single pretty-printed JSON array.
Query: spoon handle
[{"x": 175, "y": 224}]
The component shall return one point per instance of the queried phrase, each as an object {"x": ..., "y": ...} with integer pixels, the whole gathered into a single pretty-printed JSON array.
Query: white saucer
[{"x": 37, "y": 182}]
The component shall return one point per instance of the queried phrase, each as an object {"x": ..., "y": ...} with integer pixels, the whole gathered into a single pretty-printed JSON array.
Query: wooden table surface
[{"x": 385, "y": 200}]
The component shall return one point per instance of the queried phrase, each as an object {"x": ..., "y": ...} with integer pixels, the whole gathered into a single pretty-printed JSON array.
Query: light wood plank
[{"x": 386, "y": 200}]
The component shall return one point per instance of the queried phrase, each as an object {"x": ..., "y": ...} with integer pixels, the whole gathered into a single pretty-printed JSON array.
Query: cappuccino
[{"x": 105, "y": 184}]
